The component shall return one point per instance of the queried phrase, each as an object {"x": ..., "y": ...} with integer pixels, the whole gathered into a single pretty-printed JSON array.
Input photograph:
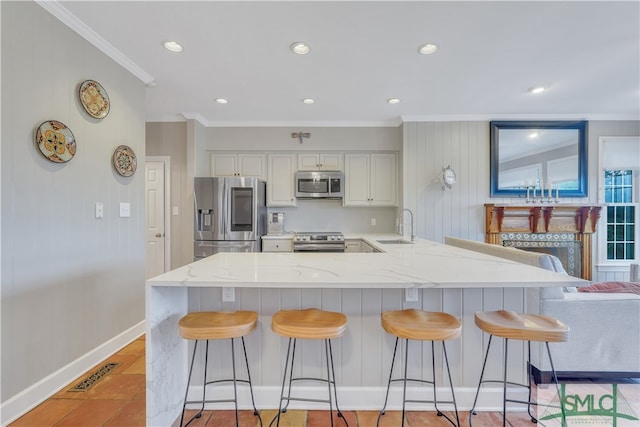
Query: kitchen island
[{"x": 359, "y": 285}]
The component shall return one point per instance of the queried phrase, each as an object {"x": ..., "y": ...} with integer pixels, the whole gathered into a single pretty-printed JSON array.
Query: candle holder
[{"x": 533, "y": 197}]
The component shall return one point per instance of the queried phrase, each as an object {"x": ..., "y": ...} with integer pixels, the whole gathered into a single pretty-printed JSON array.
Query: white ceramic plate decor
[
  {"x": 94, "y": 99},
  {"x": 125, "y": 161},
  {"x": 56, "y": 141}
]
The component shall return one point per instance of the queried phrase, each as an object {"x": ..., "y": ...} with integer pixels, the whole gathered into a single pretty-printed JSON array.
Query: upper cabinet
[
  {"x": 371, "y": 180},
  {"x": 320, "y": 162},
  {"x": 225, "y": 164},
  {"x": 281, "y": 180}
]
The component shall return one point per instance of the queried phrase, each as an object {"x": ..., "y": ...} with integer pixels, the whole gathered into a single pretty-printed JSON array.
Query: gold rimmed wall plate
[
  {"x": 125, "y": 161},
  {"x": 94, "y": 99},
  {"x": 56, "y": 141}
]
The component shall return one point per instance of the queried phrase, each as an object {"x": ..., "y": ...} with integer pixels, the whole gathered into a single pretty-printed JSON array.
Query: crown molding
[
  {"x": 231, "y": 124},
  {"x": 489, "y": 117},
  {"x": 72, "y": 21}
]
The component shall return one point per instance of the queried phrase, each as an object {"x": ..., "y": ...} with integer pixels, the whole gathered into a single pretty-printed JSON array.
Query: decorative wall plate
[
  {"x": 94, "y": 99},
  {"x": 56, "y": 141},
  {"x": 125, "y": 161}
]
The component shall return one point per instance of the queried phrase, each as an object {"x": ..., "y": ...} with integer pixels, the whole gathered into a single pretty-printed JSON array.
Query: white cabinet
[
  {"x": 358, "y": 246},
  {"x": 277, "y": 244},
  {"x": 230, "y": 164},
  {"x": 281, "y": 180},
  {"x": 320, "y": 162},
  {"x": 371, "y": 180},
  {"x": 353, "y": 245}
]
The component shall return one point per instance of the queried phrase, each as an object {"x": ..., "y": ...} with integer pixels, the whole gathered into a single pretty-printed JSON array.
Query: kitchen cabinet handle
[{"x": 159, "y": 234}]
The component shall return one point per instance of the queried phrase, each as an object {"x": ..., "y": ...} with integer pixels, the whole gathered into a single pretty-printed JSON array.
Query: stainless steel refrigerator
[{"x": 230, "y": 215}]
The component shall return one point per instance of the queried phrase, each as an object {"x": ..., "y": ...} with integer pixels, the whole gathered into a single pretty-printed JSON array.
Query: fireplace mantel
[{"x": 578, "y": 220}]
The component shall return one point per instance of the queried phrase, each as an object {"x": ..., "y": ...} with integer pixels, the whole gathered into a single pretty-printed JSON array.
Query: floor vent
[{"x": 94, "y": 378}]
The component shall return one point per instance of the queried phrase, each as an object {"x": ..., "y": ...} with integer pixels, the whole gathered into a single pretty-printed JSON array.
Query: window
[
  {"x": 619, "y": 226},
  {"x": 620, "y": 214}
]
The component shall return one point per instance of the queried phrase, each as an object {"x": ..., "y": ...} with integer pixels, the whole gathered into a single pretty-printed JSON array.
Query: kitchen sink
[{"x": 395, "y": 242}]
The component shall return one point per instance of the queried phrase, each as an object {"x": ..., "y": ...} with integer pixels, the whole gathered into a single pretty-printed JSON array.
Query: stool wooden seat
[
  {"x": 412, "y": 324},
  {"x": 214, "y": 325},
  {"x": 421, "y": 325},
  {"x": 524, "y": 327},
  {"x": 310, "y": 324}
]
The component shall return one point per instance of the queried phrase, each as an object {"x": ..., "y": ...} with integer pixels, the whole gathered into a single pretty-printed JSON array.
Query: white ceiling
[{"x": 490, "y": 54}]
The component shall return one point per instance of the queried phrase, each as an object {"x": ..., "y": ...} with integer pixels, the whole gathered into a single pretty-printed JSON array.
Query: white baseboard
[{"x": 32, "y": 396}]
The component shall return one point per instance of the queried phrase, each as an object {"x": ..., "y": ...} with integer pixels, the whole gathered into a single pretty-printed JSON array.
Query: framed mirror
[{"x": 547, "y": 155}]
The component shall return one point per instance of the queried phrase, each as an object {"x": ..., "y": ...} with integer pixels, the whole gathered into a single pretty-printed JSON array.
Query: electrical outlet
[
  {"x": 125, "y": 210},
  {"x": 228, "y": 294},
  {"x": 410, "y": 295},
  {"x": 99, "y": 210},
  {"x": 373, "y": 221}
]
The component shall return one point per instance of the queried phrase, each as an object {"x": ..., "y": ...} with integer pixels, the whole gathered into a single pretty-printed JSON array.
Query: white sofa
[{"x": 604, "y": 341}]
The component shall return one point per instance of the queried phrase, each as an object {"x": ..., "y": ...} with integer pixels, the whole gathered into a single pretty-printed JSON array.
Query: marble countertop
[{"x": 422, "y": 263}]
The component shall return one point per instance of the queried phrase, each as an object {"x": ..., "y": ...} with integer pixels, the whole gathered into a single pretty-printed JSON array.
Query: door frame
[{"x": 166, "y": 161}]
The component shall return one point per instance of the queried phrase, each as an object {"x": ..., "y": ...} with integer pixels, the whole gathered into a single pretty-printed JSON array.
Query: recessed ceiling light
[
  {"x": 427, "y": 48},
  {"x": 537, "y": 89},
  {"x": 300, "y": 48},
  {"x": 222, "y": 100},
  {"x": 308, "y": 100},
  {"x": 393, "y": 100},
  {"x": 173, "y": 46}
]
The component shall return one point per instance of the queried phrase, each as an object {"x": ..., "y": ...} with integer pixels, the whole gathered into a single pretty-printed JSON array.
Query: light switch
[
  {"x": 176, "y": 211},
  {"x": 99, "y": 210},
  {"x": 125, "y": 210}
]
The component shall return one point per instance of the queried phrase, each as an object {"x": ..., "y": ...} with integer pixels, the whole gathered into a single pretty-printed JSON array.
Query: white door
[{"x": 155, "y": 217}]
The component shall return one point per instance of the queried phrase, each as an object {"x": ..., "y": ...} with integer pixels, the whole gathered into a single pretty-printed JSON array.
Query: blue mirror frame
[{"x": 500, "y": 128}]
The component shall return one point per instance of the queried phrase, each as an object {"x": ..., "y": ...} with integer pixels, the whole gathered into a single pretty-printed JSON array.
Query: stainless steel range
[{"x": 318, "y": 242}]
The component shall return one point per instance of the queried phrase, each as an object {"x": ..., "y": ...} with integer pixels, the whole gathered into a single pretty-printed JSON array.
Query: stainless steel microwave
[{"x": 320, "y": 185}]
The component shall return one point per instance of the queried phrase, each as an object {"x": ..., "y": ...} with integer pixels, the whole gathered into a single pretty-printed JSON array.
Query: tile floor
[{"x": 118, "y": 400}]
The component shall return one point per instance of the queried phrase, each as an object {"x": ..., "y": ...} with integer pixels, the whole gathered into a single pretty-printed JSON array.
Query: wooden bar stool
[
  {"x": 212, "y": 325},
  {"x": 524, "y": 327},
  {"x": 309, "y": 324},
  {"x": 420, "y": 325}
]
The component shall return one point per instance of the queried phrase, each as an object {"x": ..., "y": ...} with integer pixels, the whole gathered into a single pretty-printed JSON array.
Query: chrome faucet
[{"x": 413, "y": 236}]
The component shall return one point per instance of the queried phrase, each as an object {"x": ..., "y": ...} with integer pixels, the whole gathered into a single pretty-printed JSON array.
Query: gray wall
[
  {"x": 429, "y": 146},
  {"x": 170, "y": 139},
  {"x": 70, "y": 282},
  {"x": 425, "y": 148},
  {"x": 189, "y": 146}
]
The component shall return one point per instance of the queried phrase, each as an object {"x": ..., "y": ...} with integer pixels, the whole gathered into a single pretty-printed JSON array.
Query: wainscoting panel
[{"x": 363, "y": 355}]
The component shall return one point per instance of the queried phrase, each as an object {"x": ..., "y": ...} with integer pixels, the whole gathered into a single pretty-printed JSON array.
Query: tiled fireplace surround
[{"x": 565, "y": 231}]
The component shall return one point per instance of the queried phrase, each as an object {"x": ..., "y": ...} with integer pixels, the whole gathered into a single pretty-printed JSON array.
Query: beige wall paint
[{"x": 70, "y": 282}]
